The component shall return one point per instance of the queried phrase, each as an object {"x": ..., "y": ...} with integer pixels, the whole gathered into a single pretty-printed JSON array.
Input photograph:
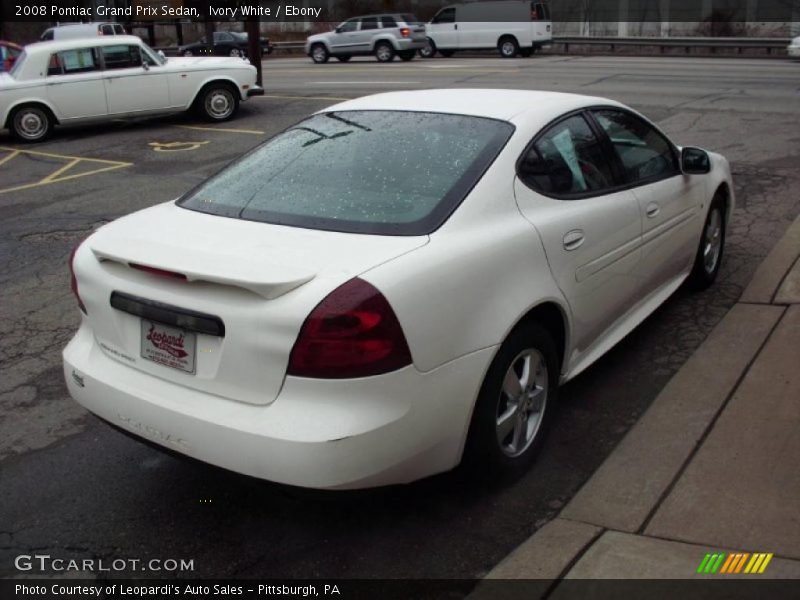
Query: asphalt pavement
[{"x": 71, "y": 486}]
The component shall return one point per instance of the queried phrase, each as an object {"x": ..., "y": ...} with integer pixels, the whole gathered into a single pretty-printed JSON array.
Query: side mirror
[
  {"x": 162, "y": 55},
  {"x": 145, "y": 66},
  {"x": 338, "y": 29},
  {"x": 695, "y": 161}
]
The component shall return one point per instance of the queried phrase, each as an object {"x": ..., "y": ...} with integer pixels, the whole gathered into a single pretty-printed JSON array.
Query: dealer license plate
[{"x": 168, "y": 346}]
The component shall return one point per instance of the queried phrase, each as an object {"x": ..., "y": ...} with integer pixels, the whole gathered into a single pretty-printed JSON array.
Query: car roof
[
  {"x": 502, "y": 104},
  {"x": 72, "y": 43}
]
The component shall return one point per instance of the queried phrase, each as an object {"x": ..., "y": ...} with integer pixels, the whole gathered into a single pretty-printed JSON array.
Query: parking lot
[{"x": 72, "y": 486}]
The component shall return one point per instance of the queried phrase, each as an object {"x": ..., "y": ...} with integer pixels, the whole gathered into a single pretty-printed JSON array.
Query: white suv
[{"x": 385, "y": 36}]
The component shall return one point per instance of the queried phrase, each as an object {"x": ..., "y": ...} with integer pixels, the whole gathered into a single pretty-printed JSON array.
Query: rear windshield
[{"x": 382, "y": 172}]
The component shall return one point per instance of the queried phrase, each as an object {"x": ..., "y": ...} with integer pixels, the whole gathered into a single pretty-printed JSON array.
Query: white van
[
  {"x": 512, "y": 26},
  {"x": 71, "y": 31}
]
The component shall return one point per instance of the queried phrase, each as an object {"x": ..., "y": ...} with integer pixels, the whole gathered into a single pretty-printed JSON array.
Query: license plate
[{"x": 168, "y": 346}]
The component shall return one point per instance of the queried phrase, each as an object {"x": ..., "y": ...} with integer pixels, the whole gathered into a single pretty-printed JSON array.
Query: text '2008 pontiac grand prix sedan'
[
  {"x": 395, "y": 284},
  {"x": 110, "y": 77}
]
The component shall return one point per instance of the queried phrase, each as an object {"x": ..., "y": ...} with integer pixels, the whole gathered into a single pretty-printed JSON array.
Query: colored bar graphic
[{"x": 736, "y": 562}]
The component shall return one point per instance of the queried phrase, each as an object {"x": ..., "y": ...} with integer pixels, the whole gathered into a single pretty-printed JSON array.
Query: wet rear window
[{"x": 382, "y": 172}]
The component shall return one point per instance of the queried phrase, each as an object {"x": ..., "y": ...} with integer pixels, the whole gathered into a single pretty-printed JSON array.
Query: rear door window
[
  {"x": 568, "y": 160},
  {"x": 369, "y": 23},
  {"x": 80, "y": 60}
]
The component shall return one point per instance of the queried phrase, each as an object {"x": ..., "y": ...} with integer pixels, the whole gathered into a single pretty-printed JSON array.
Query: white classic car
[{"x": 94, "y": 79}]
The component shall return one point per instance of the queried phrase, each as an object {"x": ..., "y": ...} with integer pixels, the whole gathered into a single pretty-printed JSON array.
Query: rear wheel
[
  {"x": 384, "y": 52},
  {"x": 235, "y": 52},
  {"x": 31, "y": 123},
  {"x": 406, "y": 55},
  {"x": 343, "y": 58},
  {"x": 508, "y": 47},
  {"x": 319, "y": 54},
  {"x": 514, "y": 405},
  {"x": 429, "y": 50},
  {"x": 218, "y": 102},
  {"x": 187, "y": 53},
  {"x": 712, "y": 243}
]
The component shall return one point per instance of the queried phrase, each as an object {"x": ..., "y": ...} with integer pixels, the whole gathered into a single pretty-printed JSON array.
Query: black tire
[
  {"x": 218, "y": 102},
  {"x": 319, "y": 53},
  {"x": 406, "y": 55},
  {"x": 508, "y": 46},
  {"x": 31, "y": 123},
  {"x": 235, "y": 52},
  {"x": 384, "y": 52},
  {"x": 486, "y": 455},
  {"x": 187, "y": 53},
  {"x": 428, "y": 51},
  {"x": 447, "y": 53},
  {"x": 708, "y": 260},
  {"x": 343, "y": 58}
]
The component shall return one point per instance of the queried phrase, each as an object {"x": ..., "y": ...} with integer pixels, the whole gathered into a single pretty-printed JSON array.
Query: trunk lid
[{"x": 167, "y": 265}]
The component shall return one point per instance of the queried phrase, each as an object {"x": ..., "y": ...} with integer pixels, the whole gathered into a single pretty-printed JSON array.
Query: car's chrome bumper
[{"x": 345, "y": 434}]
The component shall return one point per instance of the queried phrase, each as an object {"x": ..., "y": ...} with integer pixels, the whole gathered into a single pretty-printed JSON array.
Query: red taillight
[
  {"x": 405, "y": 31},
  {"x": 353, "y": 332},
  {"x": 157, "y": 271},
  {"x": 73, "y": 281}
]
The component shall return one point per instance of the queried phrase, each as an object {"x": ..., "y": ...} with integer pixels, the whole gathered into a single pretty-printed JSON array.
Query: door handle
[
  {"x": 455, "y": 26},
  {"x": 573, "y": 239},
  {"x": 652, "y": 210}
]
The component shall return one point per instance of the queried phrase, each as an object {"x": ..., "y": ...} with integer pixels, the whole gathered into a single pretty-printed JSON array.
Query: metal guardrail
[{"x": 663, "y": 43}]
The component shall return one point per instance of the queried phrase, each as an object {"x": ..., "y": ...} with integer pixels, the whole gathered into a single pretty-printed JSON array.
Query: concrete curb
[{"x": 772, "y": 271}]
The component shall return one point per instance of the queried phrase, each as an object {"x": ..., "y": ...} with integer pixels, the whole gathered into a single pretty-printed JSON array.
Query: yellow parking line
[
  {"x": 223, "y": 129},
  {"x": 58, "y": 175},
  {"x": 40, "y": 153},
  {"x": 55, "y": 174},
  {"x": 5, "y": 159},
  {"x": 338, "y": 99}
]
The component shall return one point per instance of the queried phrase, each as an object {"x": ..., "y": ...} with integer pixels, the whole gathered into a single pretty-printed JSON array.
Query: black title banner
[{"x": 560, "y": 11}]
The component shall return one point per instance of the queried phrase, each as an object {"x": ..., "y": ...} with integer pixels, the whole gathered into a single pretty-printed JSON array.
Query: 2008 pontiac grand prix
[{"x": 396, "y": 284}]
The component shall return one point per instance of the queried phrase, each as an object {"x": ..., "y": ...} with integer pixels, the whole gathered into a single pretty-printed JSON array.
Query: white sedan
[
  {"x": 394, "y": 284},
  {"x": 110, "y": 77}
]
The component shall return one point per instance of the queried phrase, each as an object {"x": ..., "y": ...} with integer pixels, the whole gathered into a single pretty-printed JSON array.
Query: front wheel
[
  {"x": 218, "y": 102},
  {"x": 319, "y": 54},
  {"x": 712, "y": 243},
  {"x": 429, "y": 50},
  {"x": 384, "y": 52},
  {"x": 31, "y": 123},
  {"x": 514, "y": 405}
]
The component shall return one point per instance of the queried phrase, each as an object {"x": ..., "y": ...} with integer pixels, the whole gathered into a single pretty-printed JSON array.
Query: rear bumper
[
  {"x": 335, "y": 434},
  {"x": 409, "y": 44},
  {"x": 255, "y": 90}
]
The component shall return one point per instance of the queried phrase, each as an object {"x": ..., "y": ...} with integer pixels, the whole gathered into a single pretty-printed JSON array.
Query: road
[{"x": 74, "y": 488}]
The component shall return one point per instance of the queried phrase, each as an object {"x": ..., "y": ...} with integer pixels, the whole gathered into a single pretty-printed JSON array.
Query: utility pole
[{"x": 254, "y": 46}]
